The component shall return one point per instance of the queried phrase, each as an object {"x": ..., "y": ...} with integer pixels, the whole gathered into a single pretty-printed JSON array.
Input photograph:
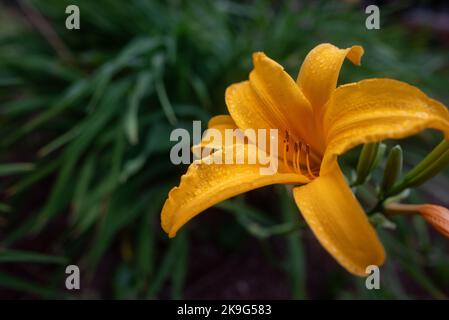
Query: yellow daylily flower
[{"x": 317, "y": 121}]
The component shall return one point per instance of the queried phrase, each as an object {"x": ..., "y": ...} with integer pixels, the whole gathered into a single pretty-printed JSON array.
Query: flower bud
[
  {"x": 436, "y": 216},
  {"x": 434, "y": 162},
  {"x": 393, "y": 169},
  {"x": 366, "y": 162}
]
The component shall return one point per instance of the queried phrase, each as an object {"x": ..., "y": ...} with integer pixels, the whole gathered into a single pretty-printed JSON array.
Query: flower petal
[
  {"x": 377, "y": 109},
  {"x": 271, "y": 99},
  {"x": 319, "y": 72},
  {"x": 339, "y": 222},
  {"x": 219, "y": 123},
  {"x": 205, "y": 185}
]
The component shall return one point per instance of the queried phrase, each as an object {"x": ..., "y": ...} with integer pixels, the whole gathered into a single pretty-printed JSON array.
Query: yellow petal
[
  {"x": 339, "y": 222},
  {"x": 271, "y": 99},
  {"x": 219, "y": 123},
  {"x": 319, "y": 72},
  {"x": 377, "y": 109},
  {"x": 205, "y": 185}
]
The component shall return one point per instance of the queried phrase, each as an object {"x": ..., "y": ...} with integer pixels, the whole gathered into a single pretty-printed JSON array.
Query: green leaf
[
  {"x": 255, "y": 222},
  {"x": 82, "y": 188},
  {"x": 131, "y": 117},
  {"x": 166, "y": 266},
  {"x": 165, "y": 103},
  {"x": 18, "y": 107},
  {"x": 8, "y": 169},
  {"x": 125, "y": 284},
  {"x": 74, "y": 93},
  {"x": 145, "y": 246},
  {"x": 157, "y": 140},
  {"x": 29, "y": 257},
  {"x": 296, "y": 260},
  {"x": 180, "y": 267},
  {"x": 201, "y": 91},
  {"x": 42, "y": 171},
  {"x": 60, "y": 141},
  {"x": 63, "y": 189},
  {"x": 8, "y": 281},
  {"x": 5, "y": 208},
  {"x": 119, "y": 214},
  {"x": 134, "y": 49}
]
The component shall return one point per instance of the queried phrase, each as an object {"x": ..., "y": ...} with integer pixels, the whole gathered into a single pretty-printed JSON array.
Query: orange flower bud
[{"x": 437, "y": 216}]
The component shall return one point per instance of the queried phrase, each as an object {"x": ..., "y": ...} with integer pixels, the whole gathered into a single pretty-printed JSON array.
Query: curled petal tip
[
  {"x": 355, "y": 54},
  {"x": 257, "y": 56}
]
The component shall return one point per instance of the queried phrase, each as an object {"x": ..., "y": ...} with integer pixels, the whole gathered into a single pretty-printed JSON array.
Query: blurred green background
[{"x": 85, "y": 118}]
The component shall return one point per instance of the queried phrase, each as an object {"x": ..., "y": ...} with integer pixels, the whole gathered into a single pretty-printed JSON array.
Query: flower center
[{"x": 298, "y": 157}]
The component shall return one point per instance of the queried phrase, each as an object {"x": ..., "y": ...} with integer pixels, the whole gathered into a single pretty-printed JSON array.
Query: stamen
[
  {"x": 295, "y": 154},
  {"x": 298, "y": 159},
  {"x": 298, "y": 163},
  {"x": 285, "y": 153},
  {"x": 308, "y": 162}
]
